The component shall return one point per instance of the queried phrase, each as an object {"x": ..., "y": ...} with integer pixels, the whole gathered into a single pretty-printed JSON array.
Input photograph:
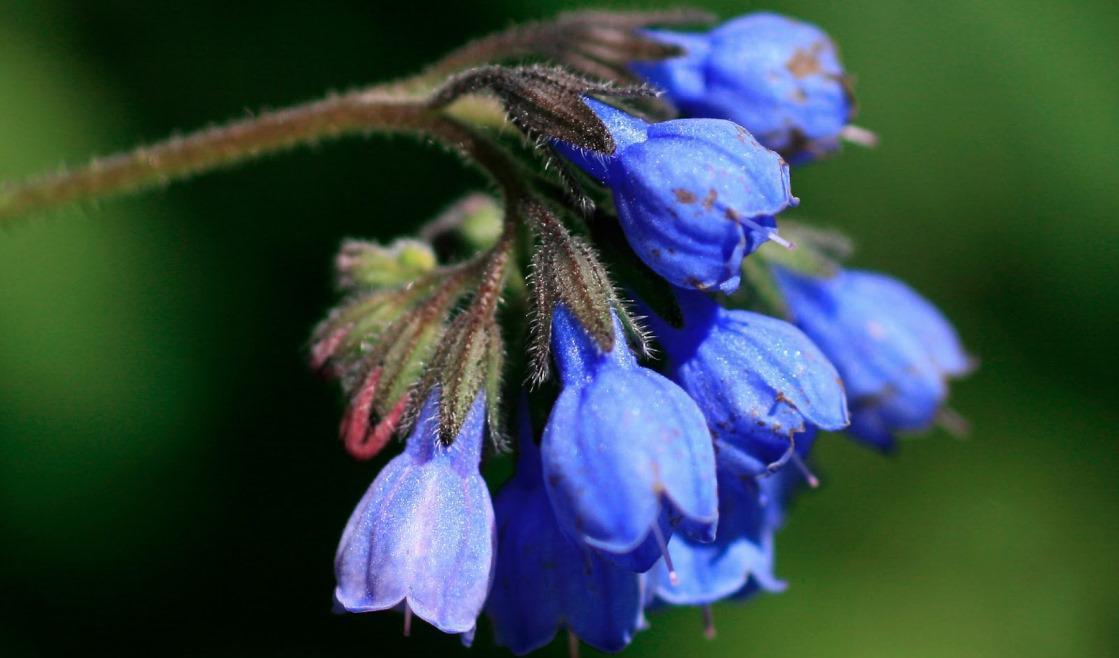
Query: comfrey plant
[{"x": 647, "y": 174}]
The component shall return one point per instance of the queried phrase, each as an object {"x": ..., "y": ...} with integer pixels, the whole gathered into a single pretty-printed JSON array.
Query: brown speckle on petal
[
  {"x": 693, "y": 282},
  {"x": 709, "y": 200},
  {"x": 804, "y": 62}
]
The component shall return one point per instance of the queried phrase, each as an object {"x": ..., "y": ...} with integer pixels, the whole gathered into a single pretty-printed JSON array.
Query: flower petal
[
  {"x": 544, "y": 580},
  {"x": 423, "y": 533},
  {"x": 894, "y": 351},
  {"x": 619, "y": 439}
]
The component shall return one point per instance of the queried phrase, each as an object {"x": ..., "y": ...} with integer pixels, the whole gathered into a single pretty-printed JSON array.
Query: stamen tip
[
  {"x": 953, "y": 422},
  {"x": 859, "y": 136},
  {"x": 708, "y": 623},
  {"x": 806, "y": 473},
  {"x": 663, "y": 544},
  {"x": 407, "y": 619},
  {"x": 572, "y": 644},
  {"x": 774, "y": 236}
]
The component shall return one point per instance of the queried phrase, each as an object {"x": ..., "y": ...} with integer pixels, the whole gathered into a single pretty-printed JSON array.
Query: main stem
[
  {"x": 394, "y": 107},
  {"x": 363, "y": 111}
]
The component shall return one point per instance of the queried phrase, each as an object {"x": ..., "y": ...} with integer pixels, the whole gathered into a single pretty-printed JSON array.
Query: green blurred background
[{"x": 170, "y": 480}]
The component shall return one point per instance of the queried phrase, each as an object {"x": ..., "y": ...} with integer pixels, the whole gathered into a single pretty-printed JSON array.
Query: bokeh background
[{"x": 170, "y": 480}]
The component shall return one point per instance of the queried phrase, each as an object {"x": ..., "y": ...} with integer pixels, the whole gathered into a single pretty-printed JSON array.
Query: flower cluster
[
  {"x": 656, "y": 467},
  {"x": 641, "y": 168}
]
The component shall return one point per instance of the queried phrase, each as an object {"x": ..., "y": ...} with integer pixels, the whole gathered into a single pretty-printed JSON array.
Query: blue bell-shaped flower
[
  {"x": 694, "y": 196},
  {"x": 894, "y": 349},
  {"x": 775, "y": 495},
  {"x": 624, "y": 447},
  {"x": 423, "y": 535},
  {"x": 758, "y": 380},
  {"x": 779, "y": 78},
  {"x": 739, "y": 564},
  {"x": 710, "y": 572},
  {"x": 545, "y": 580}
]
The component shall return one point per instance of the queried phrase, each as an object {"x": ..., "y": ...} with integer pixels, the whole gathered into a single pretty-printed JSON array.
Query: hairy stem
[
  {"x": 494, "y": 159},
  {"x": 400, "y": 106},
  {"x": 358, "y": 112}
]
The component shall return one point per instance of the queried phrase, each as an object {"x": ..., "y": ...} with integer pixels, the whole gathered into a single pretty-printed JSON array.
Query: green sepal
[
  {"x": 404, "y": 359},
  {"x": 495, "y": 368},
  {"x": 357, "y": 324},
  {"x": 566, "y": 271},
  {"x": 459, "y": 369}
]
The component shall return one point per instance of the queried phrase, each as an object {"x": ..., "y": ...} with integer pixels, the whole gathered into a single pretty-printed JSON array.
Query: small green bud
[
  {"x": 481, "y": 226},
  {"x": 362, "y": 264},
  {"x": 476, "y": 220},
  {"x": 379, "y": 341}
]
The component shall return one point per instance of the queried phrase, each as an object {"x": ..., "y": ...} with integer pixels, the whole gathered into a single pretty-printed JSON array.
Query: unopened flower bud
[
  {"x": 894, "y": 349},
  {"x": 363, "y": 264},
  {"x": 694, "y": 196},
  {"x": 758, "y": 380},
  {"x": 545, "y": 580},
  {"x": 779, "y": 78},
  {"x": 623, "y": 447}
]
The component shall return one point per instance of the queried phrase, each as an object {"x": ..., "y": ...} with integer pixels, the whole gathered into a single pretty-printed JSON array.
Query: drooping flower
[
  {"x": 894, "y": 349},
  {"x": 758, "y": 380},
  {"x": 545, "y": 580},
  {"x": 707, "y": 573},
  {"x": 423, "y": 535},
  {"x": 694, "y": 196},
  {"x": 779, "y": 78},
  {"x": 623, "y": 449},
  {"x": 740, "y": 562},
  {"x": 776, "y": 493}
]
